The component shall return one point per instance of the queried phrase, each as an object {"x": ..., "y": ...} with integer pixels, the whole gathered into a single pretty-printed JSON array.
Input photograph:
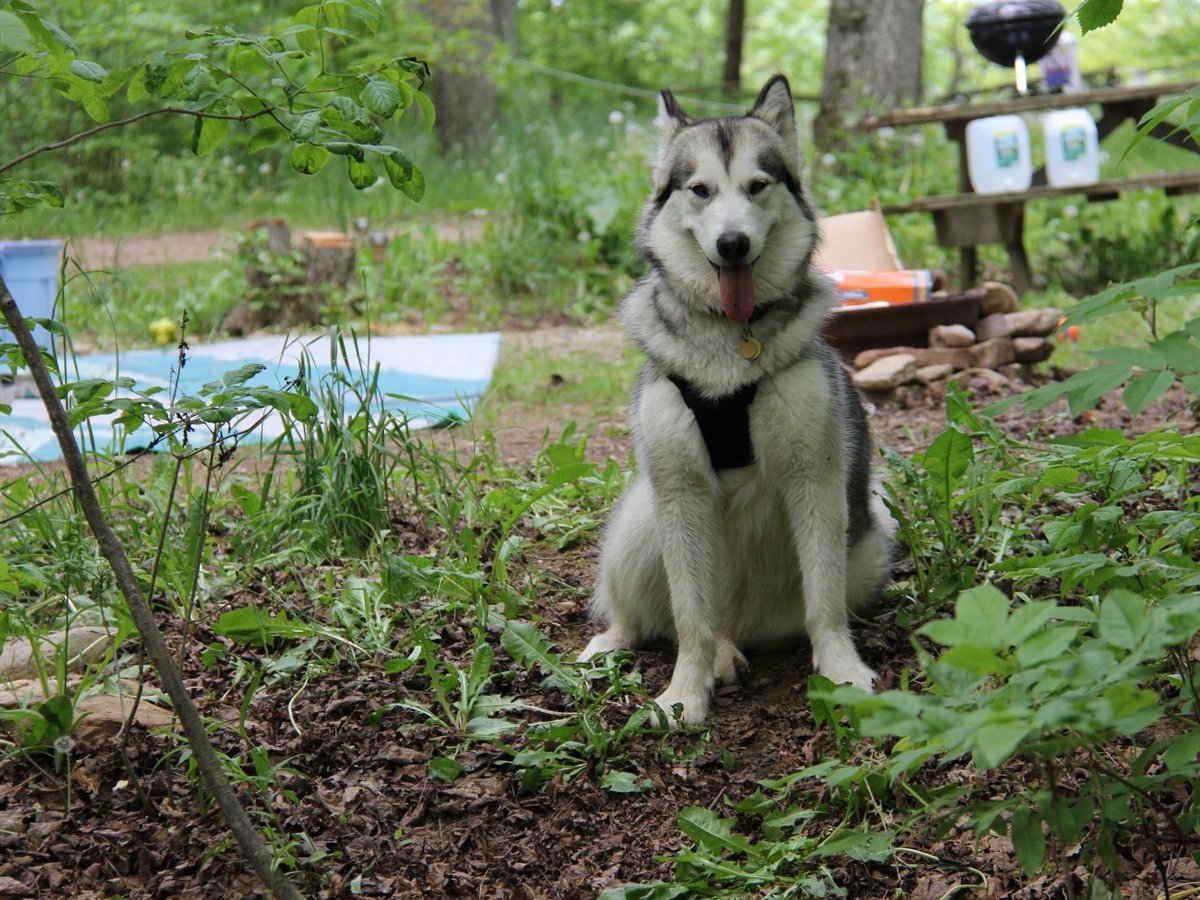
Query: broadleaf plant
[{"x": 283, "y": 83}]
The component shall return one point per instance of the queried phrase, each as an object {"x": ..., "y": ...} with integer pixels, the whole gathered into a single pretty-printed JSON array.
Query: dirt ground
[{"x": 366, "y": 803}]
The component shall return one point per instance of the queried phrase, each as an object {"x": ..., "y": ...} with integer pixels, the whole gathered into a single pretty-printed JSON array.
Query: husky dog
[{"x": 752, "y": 443}]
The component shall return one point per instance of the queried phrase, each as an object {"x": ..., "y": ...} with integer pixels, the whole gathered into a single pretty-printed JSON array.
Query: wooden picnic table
[{"x": 967, "y": 219}]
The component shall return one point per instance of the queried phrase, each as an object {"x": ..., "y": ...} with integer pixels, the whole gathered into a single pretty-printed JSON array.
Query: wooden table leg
[
  {"x": 1013, "y": 217},
  {"x": 1022, "y": 276},
  {"x": 968, "y": 267}
]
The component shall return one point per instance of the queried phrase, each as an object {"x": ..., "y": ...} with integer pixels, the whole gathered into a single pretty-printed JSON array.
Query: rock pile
[{"x": 1005, "y": 340}]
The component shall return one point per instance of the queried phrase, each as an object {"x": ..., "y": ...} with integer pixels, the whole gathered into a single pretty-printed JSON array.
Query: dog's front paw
[
  {"x": 849, "y": 671},
  {"x": 681, "y": 709}
]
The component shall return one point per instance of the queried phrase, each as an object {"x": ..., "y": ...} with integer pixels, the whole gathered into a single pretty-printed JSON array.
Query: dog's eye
[
  {"x": 700, "y": 191},
  {"x": 758, "y": 186}
]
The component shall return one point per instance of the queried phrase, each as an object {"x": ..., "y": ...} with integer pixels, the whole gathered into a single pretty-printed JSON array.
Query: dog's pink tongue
[{"x": 737, "y": 291}]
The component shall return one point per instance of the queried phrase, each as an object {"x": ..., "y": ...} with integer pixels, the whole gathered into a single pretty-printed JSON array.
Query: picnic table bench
[{"x": 966, "y": 220}]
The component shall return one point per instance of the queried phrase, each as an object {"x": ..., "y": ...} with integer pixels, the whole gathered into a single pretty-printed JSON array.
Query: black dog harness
[{"x": 724, "y": 423}]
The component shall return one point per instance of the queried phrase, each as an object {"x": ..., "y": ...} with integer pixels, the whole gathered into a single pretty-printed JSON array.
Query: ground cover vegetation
[{"x": 378, "y": 625}]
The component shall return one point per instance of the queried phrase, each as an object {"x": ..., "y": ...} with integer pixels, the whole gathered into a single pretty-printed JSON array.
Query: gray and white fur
[{"x": 708, "y": 555}]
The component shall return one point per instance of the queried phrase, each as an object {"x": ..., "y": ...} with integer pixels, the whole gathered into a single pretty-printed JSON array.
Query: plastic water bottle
[
  {"x": 999, "y": 159},
  {"x": 1072, "y": 148},
  {"x": 1060, "y": 67}
]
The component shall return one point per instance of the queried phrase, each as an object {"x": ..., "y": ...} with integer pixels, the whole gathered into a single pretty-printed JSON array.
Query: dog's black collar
[{"x": 724, "y": 423}]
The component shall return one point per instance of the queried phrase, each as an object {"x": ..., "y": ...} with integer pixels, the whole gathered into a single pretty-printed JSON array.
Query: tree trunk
[
  {"x": 462, "y": 90},
  {"x": 504, "y": 24},
  {"x": 872, "y": 60},
  {"x": 735, "y": 30}
]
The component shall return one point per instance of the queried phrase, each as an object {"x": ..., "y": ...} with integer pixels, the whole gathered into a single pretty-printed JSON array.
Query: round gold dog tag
[{"x": 750, "y": 348}]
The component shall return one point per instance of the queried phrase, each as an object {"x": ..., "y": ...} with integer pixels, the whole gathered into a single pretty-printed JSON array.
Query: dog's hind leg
[
  {"x": 869, "y": 562},
  {"x": 729, "y": 662}
]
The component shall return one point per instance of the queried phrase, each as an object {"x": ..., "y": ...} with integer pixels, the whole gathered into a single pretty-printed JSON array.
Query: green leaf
[
  {"x": 305, "y": 30},
  {"x": 348, "y": 109},
  {"x": 381, "y": 97},
  {"x": 445, "y": 768},
  {"x": 489, "y": 727},
  {"x": 19, "y": 195},
  {"x": 1086, "y": 389},
  {"x": 59, "y": 714},
  {"x": 997, "y": 741},
  {"x": 1180, "y": 352},
  {"x": 1123, "y": 619},
  {"x": 527, "y": 645},
  {"x": 625, "y": 783},
  {"x": 426, "y": 105},
  {"x": 137, "y": 86},
  {"x": 1131, "y": 709},
  {"x": 362, "y": 173},
  {"x": 946, "y": 460},
  {"x": 861, "y": 845},
  {"x": 14, "y": 36},
  {"x": 1027, "y": 619},
  {"x": 1139, "y": 357},
  {"x": 975, "y": 660},
  {"x": 403, "y": 175},
  {"x": 709, "y": 831},
  {"x": 1144, "y": 389},
  {"x": 1094, "y": 14},
  {"x": 1183, "y": 751},
  {"x": 1048, "y": 645},
  {"x": 266, "y": 138},
  {"x": 207, "y": 134},
  {"x": 89, "y": 71},
  {"x": 252, "y": 625},
  {"x": 241, "y": 374},
  {"x": 1028, "y": 840},
  {"x": 306, "y": 126},
  {"x": 980, "y": 619},
  {"x": 343, "y": 148},
  {"x": 308, "y": 159}
]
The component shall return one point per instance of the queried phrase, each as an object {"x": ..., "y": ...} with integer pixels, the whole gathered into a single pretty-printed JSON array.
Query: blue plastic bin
[{"x": 30, "y": 269}]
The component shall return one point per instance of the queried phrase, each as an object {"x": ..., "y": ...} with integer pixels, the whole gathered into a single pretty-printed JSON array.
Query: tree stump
[{"x": 288, "y": 286}]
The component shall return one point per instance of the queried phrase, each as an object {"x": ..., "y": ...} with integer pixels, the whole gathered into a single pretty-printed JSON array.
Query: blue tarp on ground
[{"x": 428, "y": 378}]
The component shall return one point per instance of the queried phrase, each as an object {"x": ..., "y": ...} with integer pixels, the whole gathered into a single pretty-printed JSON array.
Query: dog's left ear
[{"x": 775, "y": 107}]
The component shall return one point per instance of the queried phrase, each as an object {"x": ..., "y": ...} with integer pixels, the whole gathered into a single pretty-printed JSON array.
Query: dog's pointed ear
[
  {"x": 671, "y": 118},
  {"x": 775, "y": 107}
]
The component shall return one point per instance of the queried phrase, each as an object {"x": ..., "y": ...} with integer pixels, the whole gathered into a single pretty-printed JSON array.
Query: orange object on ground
[
  {"x": 899, "y": 286},
  {"x": 857, "y": 252}
]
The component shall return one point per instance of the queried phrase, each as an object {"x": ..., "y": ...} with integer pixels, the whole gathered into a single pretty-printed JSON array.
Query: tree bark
[
  {"x": 872, "y": 61},
  {"x": 504, "y": 24},
  {"x": 462, "y": 90},
  {"x": 735, "y": 32}
]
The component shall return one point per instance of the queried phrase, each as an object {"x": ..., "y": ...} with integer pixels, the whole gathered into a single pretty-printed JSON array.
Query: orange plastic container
[{"x": 900, "y": 286}]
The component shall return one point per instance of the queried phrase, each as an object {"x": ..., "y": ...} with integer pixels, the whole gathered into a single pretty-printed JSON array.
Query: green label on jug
[
  {"x": 1008, "y": 149},
  {"x": 1074, "y": 143}
]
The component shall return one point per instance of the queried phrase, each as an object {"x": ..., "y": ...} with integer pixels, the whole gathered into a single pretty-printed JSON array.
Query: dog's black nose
[{"x": 733, "y": 246}]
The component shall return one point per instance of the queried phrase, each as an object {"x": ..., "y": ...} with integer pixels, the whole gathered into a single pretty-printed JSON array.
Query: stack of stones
[{"x": 1000, "y": 347}]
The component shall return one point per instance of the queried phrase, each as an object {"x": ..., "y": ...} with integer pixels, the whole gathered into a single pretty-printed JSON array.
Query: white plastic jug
[
  {"x": 998, "y": 156},
  {"x": 1072, "y": 148}
]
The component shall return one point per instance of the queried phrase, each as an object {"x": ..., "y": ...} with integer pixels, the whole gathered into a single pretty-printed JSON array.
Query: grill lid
[{"x": 1004, "y": 30}]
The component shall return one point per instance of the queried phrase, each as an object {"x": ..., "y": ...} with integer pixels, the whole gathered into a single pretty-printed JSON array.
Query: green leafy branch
[{"x": 238, "y": 78}]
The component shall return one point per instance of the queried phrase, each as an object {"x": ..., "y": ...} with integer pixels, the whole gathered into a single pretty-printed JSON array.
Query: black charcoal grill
[{"x": 1012, "y": 33}]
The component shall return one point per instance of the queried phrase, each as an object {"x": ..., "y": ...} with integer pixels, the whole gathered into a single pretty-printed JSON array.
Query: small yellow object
[
  {"x": 750, "y": 348},
  {"x": 164, "y": 330}
]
